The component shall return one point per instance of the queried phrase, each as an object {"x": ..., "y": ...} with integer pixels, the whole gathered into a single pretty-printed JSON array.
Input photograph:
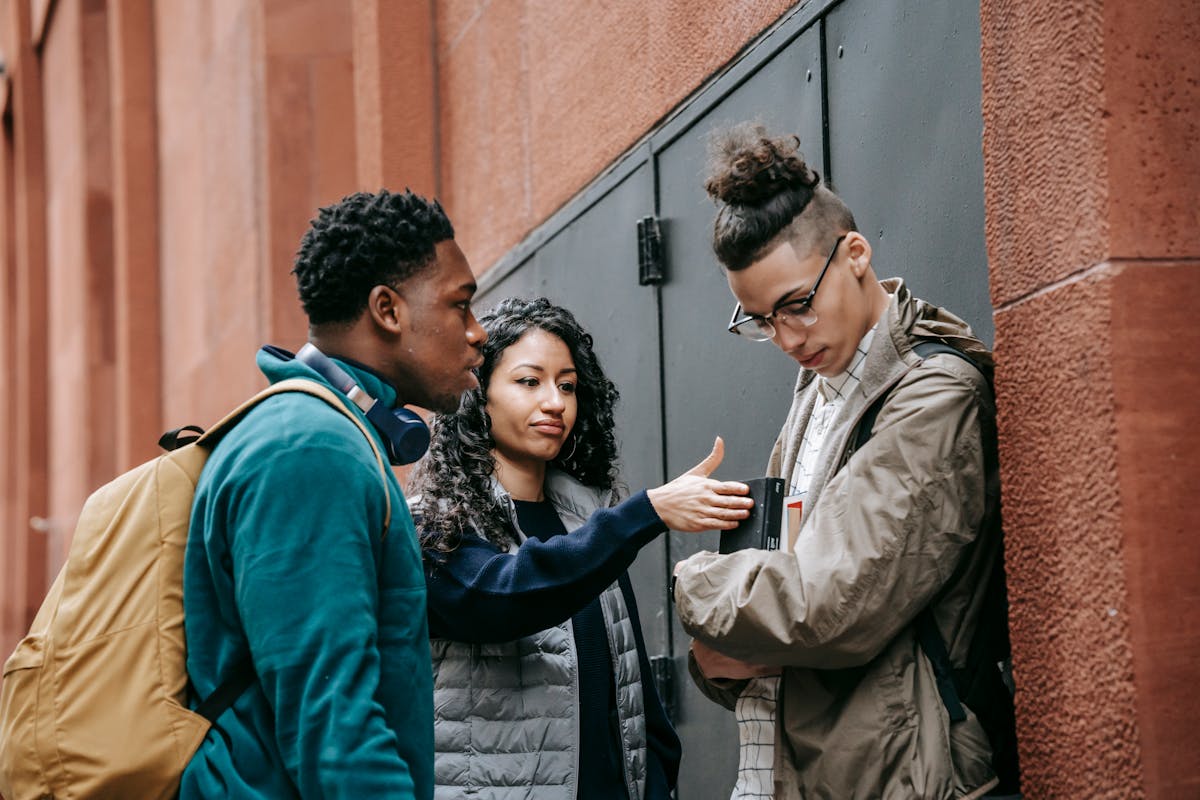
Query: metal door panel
[
  {"x": 716, "y": 383},
  {"x": 590, "y": 267},
  {"x": 905, "y": 143}
]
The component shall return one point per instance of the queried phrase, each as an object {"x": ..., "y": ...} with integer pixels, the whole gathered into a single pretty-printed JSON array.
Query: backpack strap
[
  {"x": 318, "y": 390},
  {"x": 924, "y": 348},
  {"x": 227, "y": 691},
  {"x": 930, "y": 639}
]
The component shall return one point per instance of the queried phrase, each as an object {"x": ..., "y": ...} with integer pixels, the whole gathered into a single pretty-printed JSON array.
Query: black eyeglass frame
[{"x": 738, "y": 319}]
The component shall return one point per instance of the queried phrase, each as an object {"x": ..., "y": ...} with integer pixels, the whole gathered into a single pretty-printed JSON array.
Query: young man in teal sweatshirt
[{"x": 288, "y": 565}]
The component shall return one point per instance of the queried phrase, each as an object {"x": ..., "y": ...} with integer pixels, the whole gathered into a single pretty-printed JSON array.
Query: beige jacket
[{"x": 909, "y": 520}]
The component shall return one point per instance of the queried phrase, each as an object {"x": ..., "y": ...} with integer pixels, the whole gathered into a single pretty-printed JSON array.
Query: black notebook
[{"x": 761, "y": 530}]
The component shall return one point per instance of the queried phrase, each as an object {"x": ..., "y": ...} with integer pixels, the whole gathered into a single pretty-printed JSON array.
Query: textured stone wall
[{"x": 1092, "y": 183}]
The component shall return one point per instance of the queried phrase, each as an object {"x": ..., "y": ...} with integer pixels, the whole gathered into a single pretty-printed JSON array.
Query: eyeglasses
[{"x": 758, "y": 328}]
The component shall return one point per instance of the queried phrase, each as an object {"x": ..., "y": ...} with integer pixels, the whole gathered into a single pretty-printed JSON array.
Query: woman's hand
[{"x": 695, "y": 502}]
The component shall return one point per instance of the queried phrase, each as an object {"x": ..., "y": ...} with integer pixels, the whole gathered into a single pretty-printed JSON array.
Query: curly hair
[
  {"x": 764, "y": 189},
  {"x": 455, "y": 478},
  {"x": 361, "y": 242}
]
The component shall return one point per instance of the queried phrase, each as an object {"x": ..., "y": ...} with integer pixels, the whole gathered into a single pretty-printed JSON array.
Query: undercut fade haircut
[
  {"x": 765, "y": 193},
  {"x": 364, "y": 241},
  {"x": 455, "y": 479}
]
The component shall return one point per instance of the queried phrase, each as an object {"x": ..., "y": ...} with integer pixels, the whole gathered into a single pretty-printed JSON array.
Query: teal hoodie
[{"x": 286, "y": 560}]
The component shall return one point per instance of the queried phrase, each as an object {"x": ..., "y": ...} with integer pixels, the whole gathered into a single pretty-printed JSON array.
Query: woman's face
[{"x": 531, "y": 398}]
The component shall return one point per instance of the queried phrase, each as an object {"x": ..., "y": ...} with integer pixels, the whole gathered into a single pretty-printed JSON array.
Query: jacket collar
[
  {"x": 277, "y": 369},
  {"x": 889, "y": 357},
  {"x": 573, "y": 501}
]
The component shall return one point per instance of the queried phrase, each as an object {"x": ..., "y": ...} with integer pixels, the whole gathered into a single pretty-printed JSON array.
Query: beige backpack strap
[{"x": 213, "y": 434}]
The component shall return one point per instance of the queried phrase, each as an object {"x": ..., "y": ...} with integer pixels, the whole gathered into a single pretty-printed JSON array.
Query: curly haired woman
[{"x": 541, "y": 680}]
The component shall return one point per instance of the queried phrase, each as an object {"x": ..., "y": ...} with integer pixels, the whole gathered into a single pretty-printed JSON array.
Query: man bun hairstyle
[
  {"x": 363, "y": 241},
  {"x": 764, "y": 189}
]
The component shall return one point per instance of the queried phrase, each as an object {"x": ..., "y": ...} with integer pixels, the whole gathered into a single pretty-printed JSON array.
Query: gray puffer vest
[{"x": 506, "y": 716}]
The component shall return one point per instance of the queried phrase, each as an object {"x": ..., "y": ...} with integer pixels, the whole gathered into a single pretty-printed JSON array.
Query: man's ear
[
  {"x": 388, "y": 309},
  {"x": 858, "y": 251}
]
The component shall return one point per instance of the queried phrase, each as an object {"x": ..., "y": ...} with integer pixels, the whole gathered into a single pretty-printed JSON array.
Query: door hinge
[
  {"x": 663, "y": 672},
  {"x": 650, "y": 251}
]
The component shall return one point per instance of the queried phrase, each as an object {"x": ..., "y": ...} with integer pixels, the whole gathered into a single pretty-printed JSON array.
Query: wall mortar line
[{"x": 1110, "y": 265}]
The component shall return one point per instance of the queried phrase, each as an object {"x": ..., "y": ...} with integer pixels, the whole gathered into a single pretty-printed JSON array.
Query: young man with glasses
[{"x": 826, "y": 652}]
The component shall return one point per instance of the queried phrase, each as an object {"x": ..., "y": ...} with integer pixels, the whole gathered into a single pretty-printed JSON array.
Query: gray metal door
[
  {"x": 590, "y": 267},
  {"x": 902, "y": 117},
  {"x": 906, "y": 147},
  {"x": 884, "y": 95},
  {"x": 716, "y": 383}
]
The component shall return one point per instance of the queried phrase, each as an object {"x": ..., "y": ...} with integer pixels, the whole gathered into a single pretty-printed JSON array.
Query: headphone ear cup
[
  {"x": 414, "y": 441},
  {"x": 406, "y": 434}
]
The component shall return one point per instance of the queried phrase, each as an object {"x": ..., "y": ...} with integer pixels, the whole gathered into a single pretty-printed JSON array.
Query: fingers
[
  {"x": 711, "y": 461},
  {"x": 729, "y": 498},
  {"x": 731, "y": 488}
]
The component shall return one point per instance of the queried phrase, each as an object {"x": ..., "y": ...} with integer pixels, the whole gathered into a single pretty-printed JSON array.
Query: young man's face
[
  {"x": 844, "y": 307},
  {"x": 439, "y": 345}
]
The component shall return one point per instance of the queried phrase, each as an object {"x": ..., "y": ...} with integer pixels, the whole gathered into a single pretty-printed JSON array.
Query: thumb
[{"x": 711, "y": 461}]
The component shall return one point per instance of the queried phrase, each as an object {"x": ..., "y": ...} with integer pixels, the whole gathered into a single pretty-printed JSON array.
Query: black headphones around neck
[{"x": 405, "y": 434}]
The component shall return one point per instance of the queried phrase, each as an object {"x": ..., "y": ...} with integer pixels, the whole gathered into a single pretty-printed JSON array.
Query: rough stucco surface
[
  {"x": 310, "y": 149},
  {"x": 1092, "y": 157},
  {"x": 209, "y": 78},
  {"x": 79, "y": 264},
  {"x": 538, "y": 96},
  {"x": 1062, "y": 518},
  {"x": 256, "y": 130},
  {"x": 1044, "y": 167},
  {"x": 1154, "y": 341},
  {"x": 1091, "y": 136},
  {"x": 394, "y": 94},
  {"x": 1152, "y": 94}
]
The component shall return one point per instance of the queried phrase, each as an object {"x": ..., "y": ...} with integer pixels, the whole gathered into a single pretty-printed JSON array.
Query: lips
[
  {"x": 813, "y": 360},
  {"x": 549, "y": 427}
]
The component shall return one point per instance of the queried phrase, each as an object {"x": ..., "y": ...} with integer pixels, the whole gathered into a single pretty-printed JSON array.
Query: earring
[{"x": 574, "y": 444}]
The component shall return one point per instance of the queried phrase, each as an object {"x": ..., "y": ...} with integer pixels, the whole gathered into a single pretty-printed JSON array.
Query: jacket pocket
[{"x": 20, "y": 765}]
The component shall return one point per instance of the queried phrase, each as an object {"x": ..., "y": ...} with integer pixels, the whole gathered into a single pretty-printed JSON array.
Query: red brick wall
[{"x": 1092, "y": 183}]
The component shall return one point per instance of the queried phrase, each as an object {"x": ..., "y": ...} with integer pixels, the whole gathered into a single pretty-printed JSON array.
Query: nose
[
  {"x": 553, "y": 399},
  {"x": 790, "y": 339},
  {"x": 476, "y": 335}
]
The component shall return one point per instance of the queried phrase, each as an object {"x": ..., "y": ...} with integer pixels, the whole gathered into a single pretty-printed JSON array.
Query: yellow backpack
[{"x": 94, "y": 700}]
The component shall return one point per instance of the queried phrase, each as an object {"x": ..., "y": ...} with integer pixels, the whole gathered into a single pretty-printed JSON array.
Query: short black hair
[{"x": 364, "y": 241}]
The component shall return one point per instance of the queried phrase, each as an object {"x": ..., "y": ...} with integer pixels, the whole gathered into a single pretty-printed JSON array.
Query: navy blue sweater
[{"x": 479, "y": 593}]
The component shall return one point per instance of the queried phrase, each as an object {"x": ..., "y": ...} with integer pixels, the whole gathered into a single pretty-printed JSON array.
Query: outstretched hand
[{"x": 695, "y": 502}]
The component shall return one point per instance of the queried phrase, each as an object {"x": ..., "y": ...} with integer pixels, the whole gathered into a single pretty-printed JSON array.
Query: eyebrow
[
  {"x": 783, "y": 300},
  {"x": 540, "y": 368}
]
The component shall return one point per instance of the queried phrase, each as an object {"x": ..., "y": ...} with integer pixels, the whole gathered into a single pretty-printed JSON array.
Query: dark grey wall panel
[
  {"x": 590, "y": 267},
  {"x": 716, "y": 383},
  {"x": 904, "y": 124},
  {"x": 905, "y": 128}
]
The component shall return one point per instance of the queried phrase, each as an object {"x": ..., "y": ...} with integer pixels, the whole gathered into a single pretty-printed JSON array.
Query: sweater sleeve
[
  {"x": 479, "y": 593},
  {"x": 305, "y": 530}
]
